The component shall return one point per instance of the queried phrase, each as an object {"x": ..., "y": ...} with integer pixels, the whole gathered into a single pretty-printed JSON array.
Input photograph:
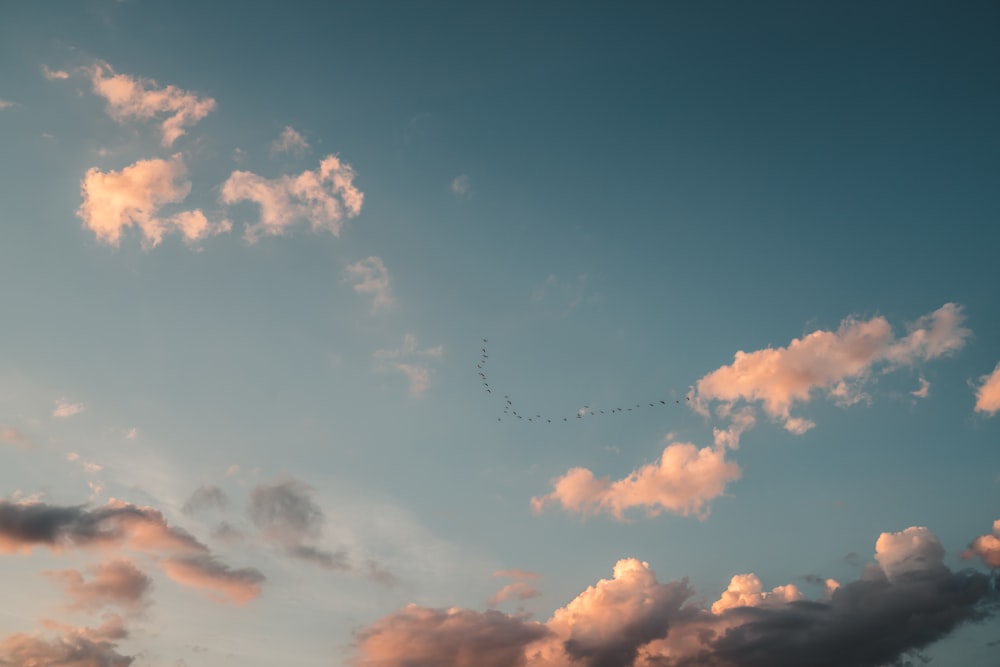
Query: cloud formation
[
  {"x": 5, "y": 104},
  {"x": 905, "y": 600},
  {"x": 461, "y": 185},
  {"x": 116, "y": 200},
  {"x": 835, "y": 362},
  {"x": 288, "y": 517},
  {"x": 12, "y": 436},
  {"x": 323, "y": 197},
  {"x": 411, "y": 362},
  {"x": 369, "y": 276},
  {"x": 986, "y": 547},
  {"x": 74, "y": 647},
  {"x": 116, "y": 582},
  {"x": 683, "y": 481},
  {"x": 290, "y": 141},
  {"x": 143, "y": 99},
  {"x": 65, "y": 409},
  {"x": 221, "y": 582},
  {"x": 988, "y": 393},
  {"x": 205, "y": 498}
]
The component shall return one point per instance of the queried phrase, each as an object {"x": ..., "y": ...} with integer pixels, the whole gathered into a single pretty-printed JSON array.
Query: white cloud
[
  {"x": 323, "y": 197},
  {"x": 461, "y": 185},
  {"x": 290, "y": 141},
  {"x": 130, "y": 97},
  {"x": 369, "y": 276},
  {"x": 988, "y": 394},
  {"x": 65, "y": 409},
  {"x": 924, "y": 391},
  {"x": 116, "y": 200}
]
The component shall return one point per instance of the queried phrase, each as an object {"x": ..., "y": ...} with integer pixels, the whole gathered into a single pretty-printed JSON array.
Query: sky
[{"x": 499, "y": 335}]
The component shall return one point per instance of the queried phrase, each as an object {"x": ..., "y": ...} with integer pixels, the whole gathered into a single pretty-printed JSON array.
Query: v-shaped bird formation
[{"x": 510, "y": 411}]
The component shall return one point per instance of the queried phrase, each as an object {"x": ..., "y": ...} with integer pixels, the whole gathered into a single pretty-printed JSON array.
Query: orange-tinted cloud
[
  {"x": 683, "y": 481},
  {"x": 116, "y": 582},
  {"x": 114, "y": 201},
  {"x": 219, "y": 581},
  {"x": 745, "y": 590},
  {"x": 988, "y": 393},
  {"x": 986, "y": 547},
  {"x": 74, "y": 647},
  {"x": 143, "y": 99},
  {"x": 835, "y": 362},
  {"x": 324, "y": 198}
]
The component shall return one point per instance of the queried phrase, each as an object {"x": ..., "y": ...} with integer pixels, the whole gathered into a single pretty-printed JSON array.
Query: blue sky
[{"x": 249, "y": 258}]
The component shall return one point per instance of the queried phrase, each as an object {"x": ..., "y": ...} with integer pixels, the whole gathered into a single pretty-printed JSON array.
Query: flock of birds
[{"x": 586, "y": 411}]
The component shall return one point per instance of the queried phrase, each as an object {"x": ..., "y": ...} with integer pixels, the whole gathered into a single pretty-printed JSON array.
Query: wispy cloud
[
  {"x": 143, "y": 99},
  {"x": 54, "y": 74},
  {"x": 461, "y": 185},
  {"x": 5, "y": 104},
  {"x": 73, "y": 647},
  {"x": 411, "y": 362},
  {"x": 370, "y": 276},
  {"x": 116, "y": 582},
  {"x": 290, "y": 141},
  {"x": 64, "y": 408},
  {"x": 116, "y": 200},
  {"x": 988, "y": 393},
  {"x": 924, "y": 391},
  {"x": 12, "y": 436},
  {"x": 323, "y": 197},
  {"x": 219, "y": 581}
]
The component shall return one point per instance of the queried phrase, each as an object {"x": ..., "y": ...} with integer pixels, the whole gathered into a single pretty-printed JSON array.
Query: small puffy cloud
[
  {"x": 75, "y": 647},
  {"x": 143, "y": 99},
  {"x": 915, "y": 549},
  {"x": 205, "y": 498},
  {"x": 221, "y": 582},
  {"x": 290, "y": 141},
  {"x": 132, "y": 433},
  {"x": 65, "y": 409},
  {"x": 11, "y": 436},
  {"x": 684, "y": 481},
  {"x": 835, "y": 362},
  {"x": 461, "y": 185},
  {"x": 924, "y": 391},
  {"x": 54, "y": 74},
  {"x": 117, "y": 582},
  {"x": 986, "y": 547},
  {"x": 453, "y": 637},
  {"x": 116, "y": 200},
  {"x": 745, "y": 590},
  {"x": 988, "y": 394},
  {"x": 323, "y": 197},
  {"x": 410, "y": 360},
  {"x": 369, "y": 276},
  {"x": 27, "y": 524}
]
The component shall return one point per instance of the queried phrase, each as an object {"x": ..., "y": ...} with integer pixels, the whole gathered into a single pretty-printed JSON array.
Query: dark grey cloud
[
  {"x": 286, "y": 512},
  {"x": 328, "y": 560},
  {"x": 205, "y": 498}
]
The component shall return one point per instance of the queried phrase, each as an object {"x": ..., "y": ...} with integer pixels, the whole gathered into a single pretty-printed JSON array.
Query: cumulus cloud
[
  {"x": 205, "y": 498},
  {"x": 116, "y": 582},
  {"x": 12, "y": 436},
  {"x": 369, "y": 276},
  {"x": 988, "y": 393},
  {"x": 143, "y": 99},
  {"x": 27, "y": 524},
  {"x": 986, "y": 547},
  {"x": 290, "y": 141},
  {"x": 65, "y": 409},
  {"x": 453, "y": 637},
  {"x": 835, "y": 362},
  {"x": 683, "y": 481},
  {"x": 116, "y": 200},
  {"x": 323, "y": 197},
  {"x": 74, "y": 647},
  {"x": 410, "y": 360},
  {"x": 905, "y": 601},
  {"x": 221, "y": 582}
]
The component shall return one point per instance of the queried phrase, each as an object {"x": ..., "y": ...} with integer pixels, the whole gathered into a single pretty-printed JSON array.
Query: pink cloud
[
  {"x": 219, "y": 581},
  {"x": 65, "y": 409},
  {"x": 75, "y": 647},
  {"x": 520, "y": 590},
  {"x": 116, "y": 200},
  {"x": 411, "y": 361},
  {"x": 683, "y": 481},
  {"x": 986, "y": 547},
  {"x": 117, "y": 582},
  {"x": 324, "y": 198},
  {"x": 745, "y": 590},
  {"x": 143, "y": 99},
  {"x": 914, "y": 549},
  {"x": 988, "y": 394},
  {"x": 369, "y": 276},
  {"x": 290, "y": 141},
  {"x": 12, "y": 436},
  {"x": 836, "y": 362}
]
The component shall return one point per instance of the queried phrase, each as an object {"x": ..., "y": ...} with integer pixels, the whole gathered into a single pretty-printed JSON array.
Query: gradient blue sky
[{"x": 619, "y": 199}]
